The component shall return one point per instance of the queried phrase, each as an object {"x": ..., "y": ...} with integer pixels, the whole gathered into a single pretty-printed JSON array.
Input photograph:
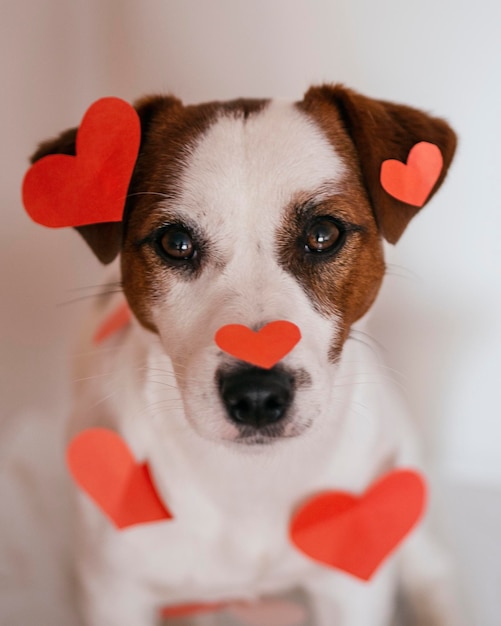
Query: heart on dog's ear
[
  {"x": 103, "y": 237},
  {"x": 91, "y": 187},
  {"x": 382, "y": 131},
  {"x": 104, "y": 467},
  {"x": 264, "y": 348},
  {"x": 412, "y": 182},
  {"x": 356, "y": 534}
]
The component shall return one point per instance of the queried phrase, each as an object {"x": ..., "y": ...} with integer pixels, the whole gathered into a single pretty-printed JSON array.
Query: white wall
[{"x": 438, "y": 317}]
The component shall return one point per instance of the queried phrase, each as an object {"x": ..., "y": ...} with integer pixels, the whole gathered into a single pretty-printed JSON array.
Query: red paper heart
[
  {"x": 119, "y": 318},
  {"x": 91, "y": 187},
  {"x": 264, "y": 348},
  {"x": 189, "y": 610},
  {"x": 412, "y": 182},
  {"x": 356, "y": 534},
  {"x": 103, "y": 466}
]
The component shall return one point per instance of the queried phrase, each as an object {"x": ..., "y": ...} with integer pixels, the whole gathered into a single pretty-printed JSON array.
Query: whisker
[
  {"x": 366, "y": 382},
  {"x": 378, "y": 380},
  {"x": 162, "y": 404},
  {"x": 97, "y": 350},
  {"x": 99, "y": 286},
  {"x": 88, "y": 297},
  {"x": 367, "y": 339},
  {"x": 378, "y": 366},
  {"x": 104, "y": 398},
  {"x": 162, "y": 383},
  {"x": 93, "y": 377},
  {"x": 399, "y": 271},
  {"x": 150, "y": 193}
]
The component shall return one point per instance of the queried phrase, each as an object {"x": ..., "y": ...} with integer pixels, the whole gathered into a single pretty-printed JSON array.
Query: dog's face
[
  {"x": 263, "y": 220},
  {"x": 254, "y": 211}
]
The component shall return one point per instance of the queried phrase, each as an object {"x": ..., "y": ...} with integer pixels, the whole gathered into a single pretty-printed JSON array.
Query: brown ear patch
[
  {"x": 381, "y": 131},
  {"x": 63, "y": 144}
]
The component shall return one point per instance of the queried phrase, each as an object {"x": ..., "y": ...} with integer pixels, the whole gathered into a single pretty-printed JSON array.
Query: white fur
[{"x": 232, "y": 502}]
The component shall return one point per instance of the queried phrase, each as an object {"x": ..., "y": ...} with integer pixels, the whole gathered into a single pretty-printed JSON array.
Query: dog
[{"x": 246, "y": 212}]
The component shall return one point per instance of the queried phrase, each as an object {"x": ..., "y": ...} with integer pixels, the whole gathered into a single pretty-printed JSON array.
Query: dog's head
[{"x": 253, "y": 211}]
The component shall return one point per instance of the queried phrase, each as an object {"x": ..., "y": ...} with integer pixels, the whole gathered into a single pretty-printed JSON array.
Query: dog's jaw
[{"x": 243, "y": 186}]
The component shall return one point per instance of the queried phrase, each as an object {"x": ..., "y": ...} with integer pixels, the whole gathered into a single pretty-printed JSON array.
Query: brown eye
[
  {"x": 323, "y": 235},
  {"x": 176, "y": 244}
]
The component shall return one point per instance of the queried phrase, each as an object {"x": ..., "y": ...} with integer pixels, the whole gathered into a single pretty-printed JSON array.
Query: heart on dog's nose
[
  {"x": 91, "y": 187},
  {"x": 263, "y": 348},
  {"x": 356, "y": 534},
  {"x": 412, "y": 182},
  {"x": 103, "y": 466}
]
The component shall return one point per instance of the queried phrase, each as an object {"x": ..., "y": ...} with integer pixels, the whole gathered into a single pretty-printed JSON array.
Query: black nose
[{"x": 255, "y": 396}]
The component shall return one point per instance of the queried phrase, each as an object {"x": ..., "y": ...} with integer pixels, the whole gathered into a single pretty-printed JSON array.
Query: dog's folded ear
[
  {"x": 104, "y": 238},
  {"x": 381, "y": 131}
]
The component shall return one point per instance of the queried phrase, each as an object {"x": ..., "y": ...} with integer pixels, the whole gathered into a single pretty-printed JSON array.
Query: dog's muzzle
[{"x": 256, "y": 397}]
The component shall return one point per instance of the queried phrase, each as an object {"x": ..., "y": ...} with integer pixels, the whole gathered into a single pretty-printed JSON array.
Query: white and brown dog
[{"x": 247, "y": 212}]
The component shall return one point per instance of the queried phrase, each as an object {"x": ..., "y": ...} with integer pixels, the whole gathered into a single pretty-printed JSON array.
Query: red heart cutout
[
  {"x": 103, "y": 466},
  {"x": 264, "y": 348},
  {"x": 412, "y": 182},
  {"x": 119, "y": 318},
  {"x": 356, "y": 534},
  {"x": 189, "y": 610},
  {"x": 91, "y": 187}
]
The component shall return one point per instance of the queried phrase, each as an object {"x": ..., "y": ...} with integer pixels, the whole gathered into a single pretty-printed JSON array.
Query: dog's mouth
[{"x": 271, "y": 434}]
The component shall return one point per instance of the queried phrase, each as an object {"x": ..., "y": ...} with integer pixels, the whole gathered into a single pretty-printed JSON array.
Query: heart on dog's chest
[
  {"x": 103, "y": 466},
  {"x": 356, "y": 534}
]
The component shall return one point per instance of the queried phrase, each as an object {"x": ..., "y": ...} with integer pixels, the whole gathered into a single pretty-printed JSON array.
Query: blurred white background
[{"x": 439, "y": 313}]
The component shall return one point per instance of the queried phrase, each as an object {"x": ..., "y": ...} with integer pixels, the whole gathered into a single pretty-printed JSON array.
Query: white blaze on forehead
[{"x": 249, "y": 169}]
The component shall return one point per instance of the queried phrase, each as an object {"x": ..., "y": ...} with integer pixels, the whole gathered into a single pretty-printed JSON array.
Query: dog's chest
[
  {"x": 234, "y": 542},
  {"x": 206, "y": 554},
  {"x": 251, "y": 556}
]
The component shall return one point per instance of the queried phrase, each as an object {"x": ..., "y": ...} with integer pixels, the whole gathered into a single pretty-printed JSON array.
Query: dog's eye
[
  {"x": 176, "y": 243},
  {"x": 323, "y": 235}
]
